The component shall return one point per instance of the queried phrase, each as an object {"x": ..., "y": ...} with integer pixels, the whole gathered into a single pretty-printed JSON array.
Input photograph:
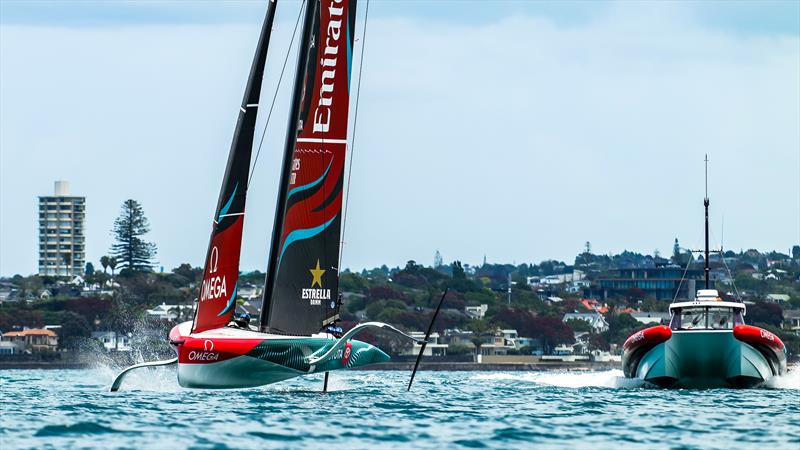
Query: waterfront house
[
  {"x": 170, "y": 313},
  {"x": 596, "y": 320},
  {"x": 500, "y": 342},
  {"x": 112, "y": 340},
  {"x": 11, "y": 348},
  {"x": 36, "y": 339},
  {"x": 434, "y": 348},
  {"x": 532, "y": 346},
  {"x": 791, "y": 321},
  {"x": 456, "y": 337}
]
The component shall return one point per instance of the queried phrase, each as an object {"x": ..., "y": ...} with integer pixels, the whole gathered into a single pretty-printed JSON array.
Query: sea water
[{"x": 63, "y": 409}]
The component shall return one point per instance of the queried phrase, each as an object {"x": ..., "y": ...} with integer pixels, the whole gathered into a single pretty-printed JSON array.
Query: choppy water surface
[{"x": 72, "y": 409}]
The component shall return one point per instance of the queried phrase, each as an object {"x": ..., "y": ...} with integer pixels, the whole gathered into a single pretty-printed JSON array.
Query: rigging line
[
  {"x": 730, "y": 274},
  {"x": 688, "y": 263},
  {"x": 353, "y": 141},
  {"x": 274, "y": 97},
  {"x": 733, "y": 280}
]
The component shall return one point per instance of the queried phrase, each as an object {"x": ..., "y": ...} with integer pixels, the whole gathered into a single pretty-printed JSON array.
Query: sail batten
[
  {"x": 302, "y": 283},
  {"x": 217, "y": 301}
]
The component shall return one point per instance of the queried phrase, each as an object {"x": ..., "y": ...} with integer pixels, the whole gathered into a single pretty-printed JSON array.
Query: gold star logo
[{"x": 317, "y": 274}]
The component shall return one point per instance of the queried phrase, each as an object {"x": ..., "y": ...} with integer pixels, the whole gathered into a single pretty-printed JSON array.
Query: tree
[
  {"x": 73, "y": 328},
  {"x": 130, "y": 250},
  {"x": 578, "y": 325},
  {"x": 112, "y": 262},
  {"x": 796, "y": 252},
  {"x": 769, "y": 313},
  {"x": 104, "y": 260},
  {"x": 458, "y": 271},
  {"x": 598, "y": 342},
  {"x": 89, "y": 269}
]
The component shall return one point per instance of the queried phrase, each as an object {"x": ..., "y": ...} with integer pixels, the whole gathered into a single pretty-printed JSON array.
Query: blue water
[{"x": 72, "y": 409}]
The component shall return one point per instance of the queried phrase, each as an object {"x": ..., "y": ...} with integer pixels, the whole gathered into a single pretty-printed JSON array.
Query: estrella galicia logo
[{"x": 315, "y": 295}]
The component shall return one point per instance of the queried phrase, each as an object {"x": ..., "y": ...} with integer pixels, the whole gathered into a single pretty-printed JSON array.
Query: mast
[
  {"x": 705, "y": 204},
  {"x": 286, "y": 167},
  {"x": 217, "y": 300}
]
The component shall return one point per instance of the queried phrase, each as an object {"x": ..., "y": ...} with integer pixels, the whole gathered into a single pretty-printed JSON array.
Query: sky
[{"x": 515, "y": 130}]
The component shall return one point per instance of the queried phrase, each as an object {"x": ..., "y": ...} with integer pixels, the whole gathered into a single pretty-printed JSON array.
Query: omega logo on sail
[
  {"x": 213, "y": 287},
  {"x": 322, "y": 115}
]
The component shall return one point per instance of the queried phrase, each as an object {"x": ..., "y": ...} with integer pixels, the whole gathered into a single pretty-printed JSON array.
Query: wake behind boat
[
  {"x": 298, "y": 332},
  {"x": 706, "y": 345}
]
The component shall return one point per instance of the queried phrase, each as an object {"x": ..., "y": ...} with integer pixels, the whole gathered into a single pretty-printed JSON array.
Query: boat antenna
[
  {"x": 706, "y": 203},
  {"x": 425, "y": 342}
]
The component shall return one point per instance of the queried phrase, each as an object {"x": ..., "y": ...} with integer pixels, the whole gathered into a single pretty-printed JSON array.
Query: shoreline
[{"x": 432, "y": 366}]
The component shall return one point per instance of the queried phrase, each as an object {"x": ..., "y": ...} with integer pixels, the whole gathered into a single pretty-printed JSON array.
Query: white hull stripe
[{"x": 322, "y": 140}]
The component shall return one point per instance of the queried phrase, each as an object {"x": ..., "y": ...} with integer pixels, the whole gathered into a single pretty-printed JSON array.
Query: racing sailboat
[
  {"x": 706, "y": 345},
  {"x": 297, "y": 333}
]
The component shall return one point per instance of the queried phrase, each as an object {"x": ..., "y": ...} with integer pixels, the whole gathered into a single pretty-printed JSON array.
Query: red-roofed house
[{"x": 33, "y": 338}]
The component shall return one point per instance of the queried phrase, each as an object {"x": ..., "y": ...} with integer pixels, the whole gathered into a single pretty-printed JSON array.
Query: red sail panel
[
  {"x": 305, "y": 286},
  {"x": 217, "y": 300}
]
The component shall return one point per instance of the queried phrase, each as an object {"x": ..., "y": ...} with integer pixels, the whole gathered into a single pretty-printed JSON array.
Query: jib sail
[
  {"x": 302, "y": 280},
  {"x": 217, "y": 301}
]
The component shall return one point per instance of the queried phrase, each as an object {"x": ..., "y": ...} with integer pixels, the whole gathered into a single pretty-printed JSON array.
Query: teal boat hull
[
  {"x": 704, "y": 359},
  {"x": 270, "y": 361}
]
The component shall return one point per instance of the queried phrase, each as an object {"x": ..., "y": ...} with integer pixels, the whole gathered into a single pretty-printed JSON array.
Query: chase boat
[{"x": 706, "y": 345}]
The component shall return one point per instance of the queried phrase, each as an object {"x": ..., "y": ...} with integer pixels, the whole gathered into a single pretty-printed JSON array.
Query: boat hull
[
  {"x": 241, "y": 359},
  {"x": 704, "y": 359}
]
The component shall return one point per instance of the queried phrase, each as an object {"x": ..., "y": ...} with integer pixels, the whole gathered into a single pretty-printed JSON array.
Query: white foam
[
  {"x": 608, "y": 378},
  {"x": 789, "y": 380}
]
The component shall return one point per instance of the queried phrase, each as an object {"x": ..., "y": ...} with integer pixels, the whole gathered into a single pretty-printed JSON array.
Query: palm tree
[
  {"x": 112, "y": 262},
  {"x": 104, "y": 261}
]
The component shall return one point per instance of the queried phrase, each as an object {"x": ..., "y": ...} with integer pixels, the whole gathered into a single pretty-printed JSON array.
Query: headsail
[
  {"x": 217, "y": 301},
  {"x": 302, "y": 281}
]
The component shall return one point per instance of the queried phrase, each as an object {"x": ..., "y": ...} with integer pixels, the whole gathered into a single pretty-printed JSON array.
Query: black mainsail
[
  {"x": 217, "y": 301},
  {"x": 302, "y": 283}
]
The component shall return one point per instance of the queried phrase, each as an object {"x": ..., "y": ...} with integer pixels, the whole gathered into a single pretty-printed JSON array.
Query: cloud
[{"x": 519, "y": 138}]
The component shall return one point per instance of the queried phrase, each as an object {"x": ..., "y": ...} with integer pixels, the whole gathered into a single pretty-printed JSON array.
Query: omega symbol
[{"x": 213, "y": 259}]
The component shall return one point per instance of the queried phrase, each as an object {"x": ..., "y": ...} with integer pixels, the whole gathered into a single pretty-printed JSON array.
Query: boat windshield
[
  {"x": 705, "y": 318},
  {"x": 720, "y": 318},
  {"x": 693, "y": 318}
]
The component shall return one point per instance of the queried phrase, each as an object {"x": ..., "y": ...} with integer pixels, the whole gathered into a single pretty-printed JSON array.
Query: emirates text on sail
[{"x": 322, "y": 115}]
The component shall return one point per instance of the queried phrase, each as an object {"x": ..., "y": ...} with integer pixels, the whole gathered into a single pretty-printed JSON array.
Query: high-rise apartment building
[{"x": 62, "y": 249}]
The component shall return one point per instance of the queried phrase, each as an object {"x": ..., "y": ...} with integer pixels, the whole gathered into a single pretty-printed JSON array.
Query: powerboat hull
[
  {"x": 231, "y": 358},
  {"x": 704, "y": 359}
]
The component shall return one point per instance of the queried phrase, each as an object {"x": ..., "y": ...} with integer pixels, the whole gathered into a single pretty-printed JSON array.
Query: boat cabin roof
[
  {"x": 707, "y": 297},
  {"x": 712, "y": 303}
]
